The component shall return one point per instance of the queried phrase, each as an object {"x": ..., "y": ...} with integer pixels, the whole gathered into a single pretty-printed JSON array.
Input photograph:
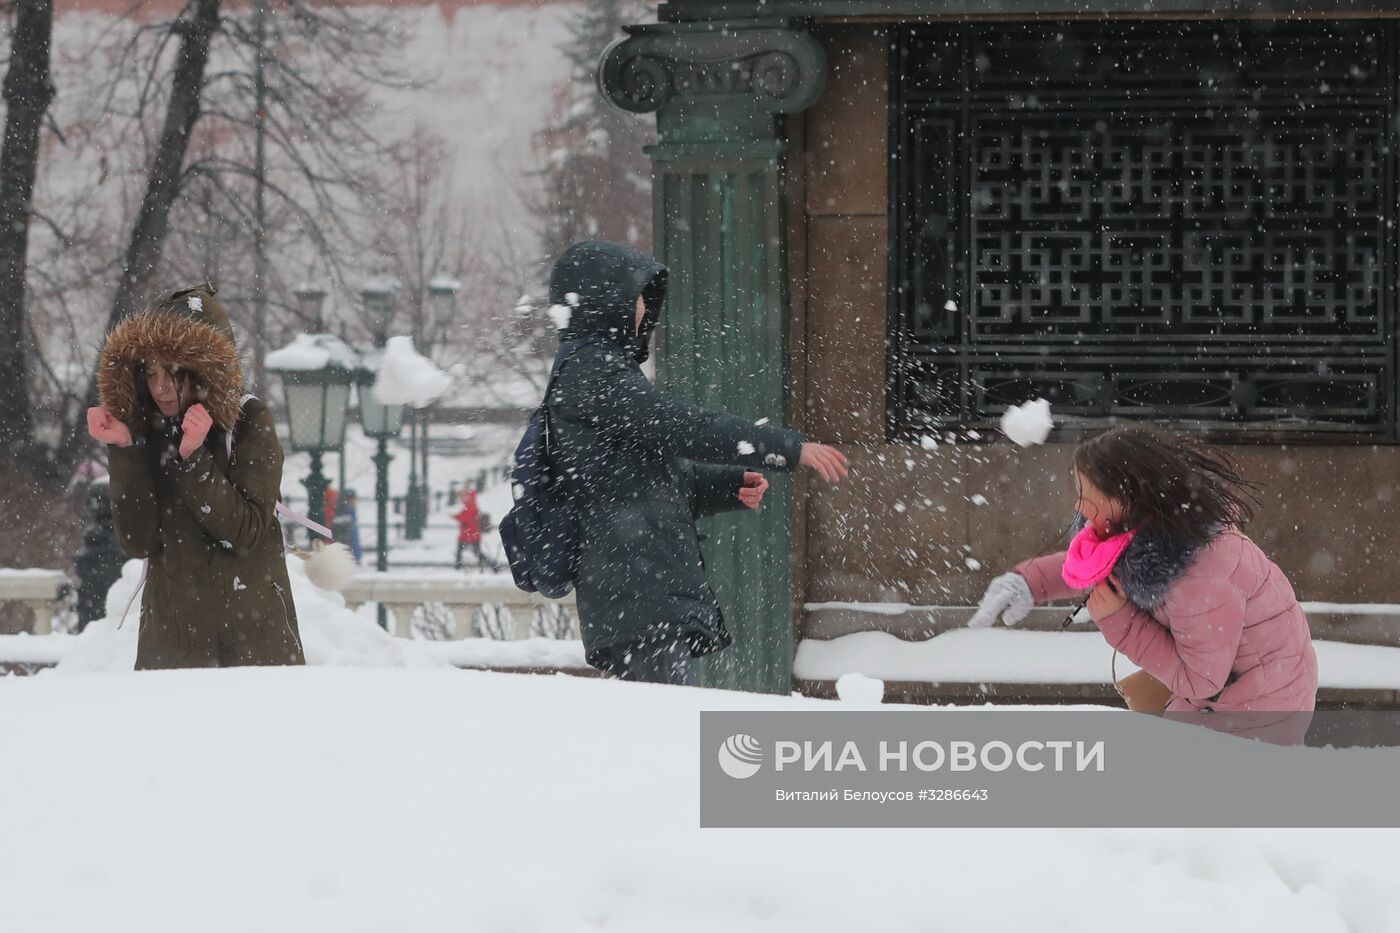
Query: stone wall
[{"x": 910, "y": 526}]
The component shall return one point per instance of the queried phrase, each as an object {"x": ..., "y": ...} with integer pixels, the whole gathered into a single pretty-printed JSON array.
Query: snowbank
[
  {"x": 344, "y": 799},
  {"x": 330, "y": 633}
]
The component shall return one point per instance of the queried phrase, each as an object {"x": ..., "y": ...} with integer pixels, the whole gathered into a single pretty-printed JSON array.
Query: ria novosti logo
[{"x": 740, "y": 756}]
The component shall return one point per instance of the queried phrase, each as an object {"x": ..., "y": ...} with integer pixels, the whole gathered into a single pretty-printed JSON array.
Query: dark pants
[
  {"x": 481, "y": 559},
  {"x": 664, "y": 662}
]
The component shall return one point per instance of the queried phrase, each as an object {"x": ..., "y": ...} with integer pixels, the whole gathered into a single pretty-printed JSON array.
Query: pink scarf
[{"x": 1091, "y": 559}]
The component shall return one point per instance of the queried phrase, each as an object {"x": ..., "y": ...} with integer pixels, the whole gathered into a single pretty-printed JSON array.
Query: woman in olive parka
[
  {"x": 642, "y": 466},
  {"x": 196, "y": 471}
]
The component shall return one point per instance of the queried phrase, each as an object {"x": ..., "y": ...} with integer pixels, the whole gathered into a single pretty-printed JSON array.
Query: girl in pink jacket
[{"x": 1182, "y": 592}]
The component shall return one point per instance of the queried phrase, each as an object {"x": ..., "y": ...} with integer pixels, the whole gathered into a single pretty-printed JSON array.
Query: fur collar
[{"x": 1152, "y": 562}]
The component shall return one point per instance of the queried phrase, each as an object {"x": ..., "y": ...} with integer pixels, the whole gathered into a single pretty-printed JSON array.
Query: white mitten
[{"x": 1008, "y": 596}]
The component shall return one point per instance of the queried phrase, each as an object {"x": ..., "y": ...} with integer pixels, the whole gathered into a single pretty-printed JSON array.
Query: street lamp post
[
  {"x": 379, "y": 422},
  {"x": 442, "y": 298},
  {"x": 311, "y": 302},
  {"x": 316, "y": 371}
]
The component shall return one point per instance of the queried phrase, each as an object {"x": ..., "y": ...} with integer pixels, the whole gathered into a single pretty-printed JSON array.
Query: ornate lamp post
[
  {"x": 379, "y": 422},
  {"x": 316, "y": 371},
  {"x": 311, "y": 302},
  {"x": 442, "y": 300}
]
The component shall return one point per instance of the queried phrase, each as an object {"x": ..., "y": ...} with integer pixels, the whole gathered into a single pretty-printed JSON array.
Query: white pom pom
[{"x": 331, "y": 567}]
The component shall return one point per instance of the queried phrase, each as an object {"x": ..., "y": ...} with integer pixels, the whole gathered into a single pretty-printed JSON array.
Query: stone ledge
[{"x": 970, "y": 694}]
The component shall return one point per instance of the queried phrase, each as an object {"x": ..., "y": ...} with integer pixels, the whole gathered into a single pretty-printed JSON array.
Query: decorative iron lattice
[{"x": 1182, "y": 221}]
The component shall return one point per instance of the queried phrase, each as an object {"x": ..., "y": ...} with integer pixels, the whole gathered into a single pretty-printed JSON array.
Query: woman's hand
[
  {"x": 829, "y": 462},
  {"x": 1008, "y": 596},
  {"x": 755, "y": 485},
  {"x": 195, "y": 429},
  {"x": 103, "y": 426},
  {"x": 1106, "y": 599}
]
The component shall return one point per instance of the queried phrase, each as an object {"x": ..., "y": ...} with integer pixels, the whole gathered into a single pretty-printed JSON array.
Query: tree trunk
[
  {"x": 28, "y": 91},
  {"x": 163, "y": 183},
  {"x": 165, "y": 178},
  {"x": 260, "y": 195}
]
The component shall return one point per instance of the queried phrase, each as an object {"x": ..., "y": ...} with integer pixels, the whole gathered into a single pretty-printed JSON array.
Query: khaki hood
[{"x": 188, "y": 330}]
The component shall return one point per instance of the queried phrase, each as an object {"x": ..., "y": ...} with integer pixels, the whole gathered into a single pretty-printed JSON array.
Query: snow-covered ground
[{"x": 358, "y": 799}]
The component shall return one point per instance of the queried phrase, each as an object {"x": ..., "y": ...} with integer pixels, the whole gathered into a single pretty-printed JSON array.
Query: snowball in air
[
  {"x": 1028, "y": 424},
  {"x": 560, "y": 315},
  {"x": 745, "y": 449}
]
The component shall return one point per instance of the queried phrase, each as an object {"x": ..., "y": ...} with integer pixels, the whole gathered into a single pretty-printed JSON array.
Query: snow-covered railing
[
  {"x": 402, "y": 593},
  {"x": 1355, "y": 623},
  {"x": 43, "y": 591}
]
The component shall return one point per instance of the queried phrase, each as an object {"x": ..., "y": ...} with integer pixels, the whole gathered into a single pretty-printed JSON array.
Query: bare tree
[
  {"x": 28, "y": 90},
  {"x": 596, "y": 181},
  {"x": 424, "y": 234},
  {"x": 267, "y": 165},
  {"x": 195, "y": 26},
  {"x": 290, "y": 163}
]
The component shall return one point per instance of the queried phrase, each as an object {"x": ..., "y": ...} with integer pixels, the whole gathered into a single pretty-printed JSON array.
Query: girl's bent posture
[{"x": 1178, "y": 588}]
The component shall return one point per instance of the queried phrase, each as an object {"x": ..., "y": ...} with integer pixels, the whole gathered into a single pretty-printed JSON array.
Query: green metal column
[{"x": 719, "y": 90}]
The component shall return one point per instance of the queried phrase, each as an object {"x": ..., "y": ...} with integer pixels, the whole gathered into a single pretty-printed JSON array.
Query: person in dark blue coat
[{"x": 642, "y": 467}]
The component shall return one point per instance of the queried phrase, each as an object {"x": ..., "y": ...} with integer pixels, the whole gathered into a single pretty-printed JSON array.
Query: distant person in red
[
  {"x": 469, "y": 537},
  {"x": 332, "y": 495}
]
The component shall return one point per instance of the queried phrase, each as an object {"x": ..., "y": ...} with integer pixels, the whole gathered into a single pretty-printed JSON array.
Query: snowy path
[{"x": 353, "y": 799}]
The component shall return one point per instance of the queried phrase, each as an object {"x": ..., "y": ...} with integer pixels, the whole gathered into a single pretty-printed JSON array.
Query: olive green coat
[{"x": 217, "y": 592}]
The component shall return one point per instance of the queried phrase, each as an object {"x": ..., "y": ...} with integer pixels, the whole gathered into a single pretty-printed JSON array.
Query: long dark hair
[{"x": 1187, "y": 488}]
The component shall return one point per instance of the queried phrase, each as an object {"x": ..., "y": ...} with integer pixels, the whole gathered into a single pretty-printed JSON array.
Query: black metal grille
[{"x": 1189, "y": 221}]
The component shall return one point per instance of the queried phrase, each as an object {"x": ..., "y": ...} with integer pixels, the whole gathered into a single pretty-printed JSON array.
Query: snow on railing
[{"x": 43, "y": 591}]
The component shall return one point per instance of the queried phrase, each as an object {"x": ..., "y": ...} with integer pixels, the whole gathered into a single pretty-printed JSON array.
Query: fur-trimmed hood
[{"x": 188, "y": 330}]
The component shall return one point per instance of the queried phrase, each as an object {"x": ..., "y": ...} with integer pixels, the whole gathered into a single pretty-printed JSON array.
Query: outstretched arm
[
  {"x": 601, "y": 389},
  {"x": 1046, "y": 580}
]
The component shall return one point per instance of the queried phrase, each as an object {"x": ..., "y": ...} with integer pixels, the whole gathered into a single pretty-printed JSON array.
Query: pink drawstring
[
  {"x": 302, "y": 520},
  {"x": 145, "y": 566}
]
